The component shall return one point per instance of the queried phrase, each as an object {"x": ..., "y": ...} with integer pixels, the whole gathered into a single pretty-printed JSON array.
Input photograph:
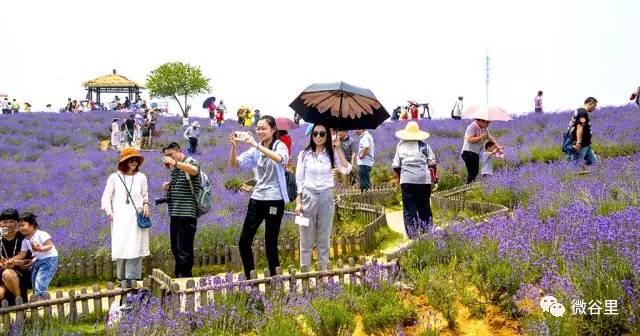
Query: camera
[
  {"x": 241, "y": 135},
  {"x": 163, "y": 200},
  {"x": 3, "y": 230}
]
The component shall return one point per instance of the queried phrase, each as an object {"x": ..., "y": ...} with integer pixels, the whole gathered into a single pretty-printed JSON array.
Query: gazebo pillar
[{"x": 98, "y": 97}]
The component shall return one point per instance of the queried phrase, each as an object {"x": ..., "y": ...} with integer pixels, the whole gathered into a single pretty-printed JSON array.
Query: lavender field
[
  {"x": 571, "y": 234},
  {"x": 52, "y": 166}
]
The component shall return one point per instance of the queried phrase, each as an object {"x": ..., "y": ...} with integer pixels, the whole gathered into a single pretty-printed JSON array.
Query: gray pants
[
  {"x": 319, "y": 207},
  {"x": 129, "y": 269}
]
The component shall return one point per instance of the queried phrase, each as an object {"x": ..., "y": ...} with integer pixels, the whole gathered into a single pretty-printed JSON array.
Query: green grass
[{"x": 387, "y": 238}]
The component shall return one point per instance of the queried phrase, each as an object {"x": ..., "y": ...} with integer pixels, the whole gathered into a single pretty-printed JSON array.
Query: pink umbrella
[
  {"x": 285, "y": 124},
  {"x": 487, "y": 112}
]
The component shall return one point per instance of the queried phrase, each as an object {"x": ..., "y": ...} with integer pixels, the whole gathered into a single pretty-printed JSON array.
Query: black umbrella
[
  {"x": 208, "y": 102},
  {"x": 340, "y": 106}
]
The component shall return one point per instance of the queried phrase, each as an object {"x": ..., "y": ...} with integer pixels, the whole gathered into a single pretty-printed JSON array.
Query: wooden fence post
[
  {"x": 305, "y": 278},
  {"x": 6, "y": 317},
  {"x": 203, "y": 294},
  {"x": 190, "y": 300},
  {"x": 341, "y": 275},
  {"x": 73, "y": 308},
  {"x": 97, "y": 303},
  {"x": 60, "y": 306},
  {"x": 293, "y": 281},
  {"x": 19, "y": 314},
  {"x": 268, "y": 285},
  {"x": 85, "y": 302},
  {"x": 47, "y": 309},
  {"x": 109, "y": 289}
]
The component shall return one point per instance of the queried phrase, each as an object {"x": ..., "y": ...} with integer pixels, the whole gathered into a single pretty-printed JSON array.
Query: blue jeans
[
  {"x": 364, "y": 177},
  {"x": 42, "y": 274},
  {"x": 585, "y": 153}
]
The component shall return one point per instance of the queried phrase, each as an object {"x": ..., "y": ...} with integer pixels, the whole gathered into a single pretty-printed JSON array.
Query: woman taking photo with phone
[
  {"x": 314, "y": 177},
  {"x": 268, "y": 158}
]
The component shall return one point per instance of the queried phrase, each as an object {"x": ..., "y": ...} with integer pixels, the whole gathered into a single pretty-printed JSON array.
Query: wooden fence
[
  {"x": 73, "y": 304},
  {"x": 195, "y": 295}
]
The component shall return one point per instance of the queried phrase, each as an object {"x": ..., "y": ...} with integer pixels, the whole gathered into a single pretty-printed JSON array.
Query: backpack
[
  {"x": 203, "y": 196},
  {"x": 567, "y": 137},
  {"x": 433, "y": 169},
  {"x": 290, "y": 178}
]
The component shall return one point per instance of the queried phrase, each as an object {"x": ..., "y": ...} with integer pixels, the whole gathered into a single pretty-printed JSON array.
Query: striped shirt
[{"x": 182, "y": 200}]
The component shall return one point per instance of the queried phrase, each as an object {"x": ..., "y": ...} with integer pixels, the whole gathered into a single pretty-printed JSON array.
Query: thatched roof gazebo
[{"x": 112, "y": 83}]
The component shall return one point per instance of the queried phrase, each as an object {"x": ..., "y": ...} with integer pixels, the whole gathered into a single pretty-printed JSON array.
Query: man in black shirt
[
  {"x": 581, "y": 133},
  {"x": 130, "y": 125},
  {"x": 16, "y": 273}
]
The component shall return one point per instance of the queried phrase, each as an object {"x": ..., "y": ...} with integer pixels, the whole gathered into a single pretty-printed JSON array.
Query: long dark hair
[
  {"x": 328, "y": 145},
  {"x": 272, "y": 123}
]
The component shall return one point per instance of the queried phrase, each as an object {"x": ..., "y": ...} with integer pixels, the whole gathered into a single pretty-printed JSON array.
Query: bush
[
  {"x": 280, "y": 324},
  {"x": 381, "y": 308},
  {"x": 602, "y": 278},
  {"x": 494, "y": 275},
  {"x": 335, "y": 318},
  {"x": 546, "y": 154},
  {"x": 381, "y": 174},
  {"x": 233, "y": 183}
]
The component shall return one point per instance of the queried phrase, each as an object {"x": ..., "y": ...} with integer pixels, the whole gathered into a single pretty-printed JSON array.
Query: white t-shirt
[
  {"x": 486, "y": 162},
  {"x": 39, "y": 237}
]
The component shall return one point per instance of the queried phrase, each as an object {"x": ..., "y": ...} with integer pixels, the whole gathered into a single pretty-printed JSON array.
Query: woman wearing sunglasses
[
  {"x": 125, "y": 194},
  {"x": 314, "y": 177}
]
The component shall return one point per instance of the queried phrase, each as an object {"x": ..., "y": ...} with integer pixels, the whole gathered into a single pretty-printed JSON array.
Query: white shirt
[
  {"x": 366, "y": 141},
  {"x": 313, "y": 171},
  {"x": 457, "y": 108},
  {"x": 413, "y": 162},
  {"x": 39, "y": 237},
  {"x": 486, "y": 162}
]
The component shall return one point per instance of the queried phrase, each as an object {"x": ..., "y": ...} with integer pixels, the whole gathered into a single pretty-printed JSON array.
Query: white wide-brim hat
[{"x": 412, "y": 132}]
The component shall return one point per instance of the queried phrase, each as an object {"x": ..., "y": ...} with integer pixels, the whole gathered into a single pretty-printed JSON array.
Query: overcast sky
[{"x": 263, "y": 53}]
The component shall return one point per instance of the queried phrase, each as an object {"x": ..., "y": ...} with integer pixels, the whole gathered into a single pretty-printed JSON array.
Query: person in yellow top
[
  {"x": 27, "y": 107},
  {"x": 248, "y": 118}
]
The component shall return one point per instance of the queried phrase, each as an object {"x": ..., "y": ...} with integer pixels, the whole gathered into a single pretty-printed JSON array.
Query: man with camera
[
  {"x": 180, "y": 197},
  {"x": 16, "y": 273}
]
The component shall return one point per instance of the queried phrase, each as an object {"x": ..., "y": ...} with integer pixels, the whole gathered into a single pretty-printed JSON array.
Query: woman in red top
[
  {"x": 414, "y": 112},
  {"x": 284, "y": 137}
]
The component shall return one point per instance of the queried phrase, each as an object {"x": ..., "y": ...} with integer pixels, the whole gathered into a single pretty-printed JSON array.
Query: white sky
[{"x": 263, "y": 53}]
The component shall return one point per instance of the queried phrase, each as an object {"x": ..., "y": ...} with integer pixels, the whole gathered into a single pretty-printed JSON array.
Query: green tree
[{"x": 177, "y": 80}]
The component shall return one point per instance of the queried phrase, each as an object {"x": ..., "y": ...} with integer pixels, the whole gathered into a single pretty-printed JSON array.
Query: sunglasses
[
  {"x": 134, "y": 160},
  {"x": 320, "y": 134}
]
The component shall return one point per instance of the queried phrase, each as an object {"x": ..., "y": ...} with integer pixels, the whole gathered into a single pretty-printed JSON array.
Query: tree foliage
[{"x": 177, "y": 80}]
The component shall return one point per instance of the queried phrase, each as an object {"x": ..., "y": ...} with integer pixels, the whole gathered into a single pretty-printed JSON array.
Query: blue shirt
[{"x": 264, "y": 189}]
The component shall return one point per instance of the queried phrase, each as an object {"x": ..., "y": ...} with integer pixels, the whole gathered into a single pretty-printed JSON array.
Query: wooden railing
[{"x": 73, "y": 304}]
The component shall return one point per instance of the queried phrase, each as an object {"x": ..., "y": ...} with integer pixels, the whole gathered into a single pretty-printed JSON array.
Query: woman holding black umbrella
[{"x": 314, "y": 177}]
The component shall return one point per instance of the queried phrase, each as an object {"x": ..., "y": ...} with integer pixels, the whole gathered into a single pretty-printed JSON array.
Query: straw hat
[
  {"x": 412, "y": 132},
  {"x": 128, "y": 153},
  {"x": 195, "y": 124}
]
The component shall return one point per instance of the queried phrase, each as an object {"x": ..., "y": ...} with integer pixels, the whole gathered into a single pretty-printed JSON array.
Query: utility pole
[{"x": 486, "y": 79}]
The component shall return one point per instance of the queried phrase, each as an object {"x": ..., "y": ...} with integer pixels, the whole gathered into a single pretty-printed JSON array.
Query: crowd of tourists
[{"x": 29, "y": 258}]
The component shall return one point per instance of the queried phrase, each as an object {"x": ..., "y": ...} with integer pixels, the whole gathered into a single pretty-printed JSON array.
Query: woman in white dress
[
  {"x": 129, "y": 243},
  {"x": 115, "y": 134}
]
